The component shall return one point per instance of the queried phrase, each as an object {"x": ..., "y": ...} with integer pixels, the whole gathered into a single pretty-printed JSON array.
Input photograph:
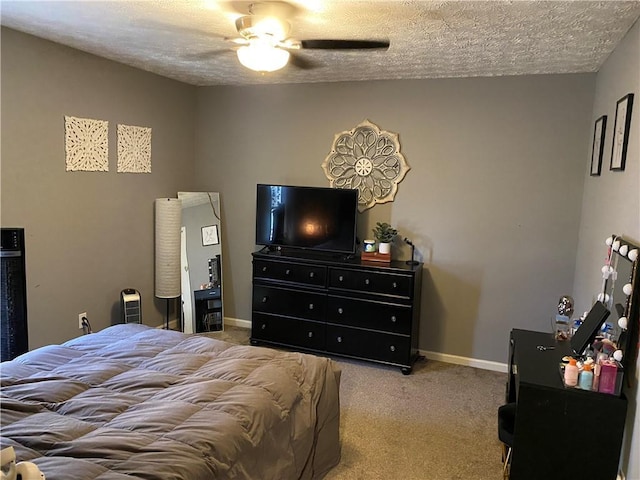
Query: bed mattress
[{"x": 137, "y": 402}]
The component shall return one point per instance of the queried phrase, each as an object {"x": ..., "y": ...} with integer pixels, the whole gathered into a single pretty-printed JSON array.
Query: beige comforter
[{"x": 138, "y": 402}]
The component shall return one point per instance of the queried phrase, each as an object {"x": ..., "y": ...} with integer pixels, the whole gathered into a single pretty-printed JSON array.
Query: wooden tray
[{"x": 375, "y": 257}]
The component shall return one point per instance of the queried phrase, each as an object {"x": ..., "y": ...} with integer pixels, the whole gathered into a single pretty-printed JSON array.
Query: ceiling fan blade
[
  {"x": 300, "y": 62},
  {"x": 344, "y": 44},
  {"x": 208, "y": 55}
]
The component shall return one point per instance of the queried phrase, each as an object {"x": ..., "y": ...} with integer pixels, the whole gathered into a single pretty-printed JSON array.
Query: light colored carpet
[{"x": 439, "y": 423}]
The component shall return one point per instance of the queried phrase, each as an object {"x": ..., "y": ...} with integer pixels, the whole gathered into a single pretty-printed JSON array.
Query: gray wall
[
  {"x": 611, "y": 204},
  {"x": 88, "y": 234},
  {"x": 492, "y": 199}
]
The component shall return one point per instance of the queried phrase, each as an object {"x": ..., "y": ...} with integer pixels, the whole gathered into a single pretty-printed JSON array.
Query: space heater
[{"x": 131, "y": 306}]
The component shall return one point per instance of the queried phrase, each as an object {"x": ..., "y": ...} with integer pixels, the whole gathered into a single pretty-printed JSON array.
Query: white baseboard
[
  {"x": 237, "y": 322},
  {"x": 173, "y": 324},
  {"x": 234, "y": 322},
  {"x": 466, "y": 361}
]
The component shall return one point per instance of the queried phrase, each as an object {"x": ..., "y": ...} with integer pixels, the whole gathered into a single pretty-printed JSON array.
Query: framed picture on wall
[
  {"x": 598, "y": 145},
  {"x": 621, "y": 132},
  {"x": 210, "y": 235}
]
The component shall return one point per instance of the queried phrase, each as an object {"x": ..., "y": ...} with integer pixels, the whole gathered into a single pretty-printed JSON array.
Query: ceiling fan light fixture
[
  {"x": 252, "y": 26},
  {"x": 262, "y": 57}
]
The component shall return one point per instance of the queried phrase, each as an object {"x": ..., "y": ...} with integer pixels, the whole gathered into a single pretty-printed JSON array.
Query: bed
[{"x": 135, "y": 402}]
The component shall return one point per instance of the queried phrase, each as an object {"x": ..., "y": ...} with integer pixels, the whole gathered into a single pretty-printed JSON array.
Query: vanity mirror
[
  {"x": 621, "y": 292},
  {"x": 201, "y": 262}
]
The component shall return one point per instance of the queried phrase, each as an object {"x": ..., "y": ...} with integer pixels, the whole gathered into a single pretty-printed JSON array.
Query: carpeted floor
[{"x": 439, "y": 423}]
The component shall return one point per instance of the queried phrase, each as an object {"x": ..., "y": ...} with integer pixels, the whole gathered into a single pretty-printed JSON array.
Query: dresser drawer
[
  {"x": 288, "y": 331},
  {"x": 354, "y": 342},
  {"x": 371, "y": 282},
  {"x": 313, "y": 275},
  {"x": 289, "y": 302},
  {"x": 387, "y": 317}
]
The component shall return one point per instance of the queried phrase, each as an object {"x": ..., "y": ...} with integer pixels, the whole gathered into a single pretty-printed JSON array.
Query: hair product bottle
[
  {"x": 586, "y": 377},
  {"x": 571, "y": 373}
]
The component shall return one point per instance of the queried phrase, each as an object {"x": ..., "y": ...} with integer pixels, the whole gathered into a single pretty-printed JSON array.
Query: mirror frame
[
  {"x": 203, "y": 302},
  {"x": 631, "y": 310}
]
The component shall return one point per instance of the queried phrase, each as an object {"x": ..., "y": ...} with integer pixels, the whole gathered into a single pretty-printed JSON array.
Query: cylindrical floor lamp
[{"x": 167, "y": 234}]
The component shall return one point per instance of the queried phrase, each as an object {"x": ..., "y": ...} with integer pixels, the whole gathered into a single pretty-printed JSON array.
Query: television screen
[{"x": 316, "y": 218}]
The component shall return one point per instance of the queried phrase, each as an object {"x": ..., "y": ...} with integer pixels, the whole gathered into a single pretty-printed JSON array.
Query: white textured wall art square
[
  {"x": 134, "y": 149},
  {"x": 86, "y": 144}
]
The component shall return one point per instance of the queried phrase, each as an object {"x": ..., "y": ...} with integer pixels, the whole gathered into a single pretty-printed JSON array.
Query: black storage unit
[
  {"x": 363, "y": 310},
  {"x": 13, "y": 287},
  {"x": 547, "y": 413},
  {"x": 208, "y": 305}
]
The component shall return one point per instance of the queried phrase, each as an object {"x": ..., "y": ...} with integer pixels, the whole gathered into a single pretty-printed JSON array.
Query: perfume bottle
[{"x": 608, "y": 374}]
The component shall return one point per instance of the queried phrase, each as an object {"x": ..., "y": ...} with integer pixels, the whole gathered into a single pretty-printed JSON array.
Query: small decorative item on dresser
[
  {"x": 563, "y": 318},
  {"x": 384, "y": 234},
  {"x": 369, "y": 246},
  {"x": 375, "y": 257}
]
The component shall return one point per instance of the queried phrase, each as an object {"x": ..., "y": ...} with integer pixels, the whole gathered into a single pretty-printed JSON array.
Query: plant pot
[{"x": 384, "y": 247}]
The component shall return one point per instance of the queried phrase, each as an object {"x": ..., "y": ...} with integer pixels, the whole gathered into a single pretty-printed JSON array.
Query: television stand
[{"x": 337, "y": 306}]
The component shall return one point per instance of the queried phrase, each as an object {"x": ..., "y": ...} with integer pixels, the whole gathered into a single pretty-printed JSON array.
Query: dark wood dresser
[
  {"x": 560, "y": 433},
  {"x": 368, "y": 311}
]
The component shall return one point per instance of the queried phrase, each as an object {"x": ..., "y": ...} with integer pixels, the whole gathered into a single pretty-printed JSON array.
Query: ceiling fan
[{"x": 265, "y": 45}]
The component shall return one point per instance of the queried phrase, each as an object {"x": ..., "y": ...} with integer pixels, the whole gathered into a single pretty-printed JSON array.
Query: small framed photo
[
  {"x": 210, "y": 235},
  {"x": 621, "y": 132},
  {"x": 598, "y": 145}
]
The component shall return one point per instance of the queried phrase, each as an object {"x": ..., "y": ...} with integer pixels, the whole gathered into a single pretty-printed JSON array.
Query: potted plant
[{"x": 384, "y": 235}]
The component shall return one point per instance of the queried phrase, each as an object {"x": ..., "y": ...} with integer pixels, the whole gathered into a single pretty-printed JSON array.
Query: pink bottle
[{"x": 608, "y": 373}]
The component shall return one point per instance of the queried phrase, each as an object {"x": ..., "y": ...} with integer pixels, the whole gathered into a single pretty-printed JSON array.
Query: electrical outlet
[{"x": 80, "y": 317}]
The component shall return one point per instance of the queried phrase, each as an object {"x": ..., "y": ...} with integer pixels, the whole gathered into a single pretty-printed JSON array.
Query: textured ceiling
[{"x": 185, "y": 39}]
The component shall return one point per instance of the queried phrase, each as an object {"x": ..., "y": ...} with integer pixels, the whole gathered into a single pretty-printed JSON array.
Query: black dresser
[
  {"x": 560, "y": 433},
  {"x": 368, "y": 311}
]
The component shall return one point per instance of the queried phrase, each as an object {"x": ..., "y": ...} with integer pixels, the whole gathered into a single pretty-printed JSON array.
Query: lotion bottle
[
  {"x": 571, "y": 373},
  {"x": 586, "y": 377}
]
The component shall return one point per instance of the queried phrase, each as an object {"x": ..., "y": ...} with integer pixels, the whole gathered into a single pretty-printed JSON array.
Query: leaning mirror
[
  {"x": 201, "y": 262},
  {"x": 621, "y": 291}
]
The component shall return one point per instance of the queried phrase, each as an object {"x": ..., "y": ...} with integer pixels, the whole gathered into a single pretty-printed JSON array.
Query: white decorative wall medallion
[
  {"x": 134, "y": 149},
  {"x": 367, "y": 159},
  {"x": 86, "y": 144}
]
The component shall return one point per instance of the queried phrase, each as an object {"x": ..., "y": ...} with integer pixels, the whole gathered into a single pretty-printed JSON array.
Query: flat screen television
[{"x": 313, "y": 218}]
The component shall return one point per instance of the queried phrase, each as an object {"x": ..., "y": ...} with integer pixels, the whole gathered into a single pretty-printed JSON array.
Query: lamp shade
[
  {"x": 262, "y": 56},
  {"x": 167, "y": 234}
]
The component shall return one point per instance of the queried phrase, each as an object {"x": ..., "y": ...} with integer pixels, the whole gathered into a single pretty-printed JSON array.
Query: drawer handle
[
  {"x": 264, "y": 326},
  {"x": 311, "y": 306},
  {"x": 340, "y": 310},
  {"x": 287, "y": 272},
  {"x": 264, "y": 269},
  {"x": 340, "y": 278},
  {"x": 264, "y": 299},
  {"x": 395, "y": 285},
  {"x": 310, "y": 334},
  {"x": 392, "y": 348},
  {"x": 339, "y": 339},
  {"x": 393, "y": 318},
  {"x": 311, "y": 274},
  {"x": 366, "y": 281}
]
